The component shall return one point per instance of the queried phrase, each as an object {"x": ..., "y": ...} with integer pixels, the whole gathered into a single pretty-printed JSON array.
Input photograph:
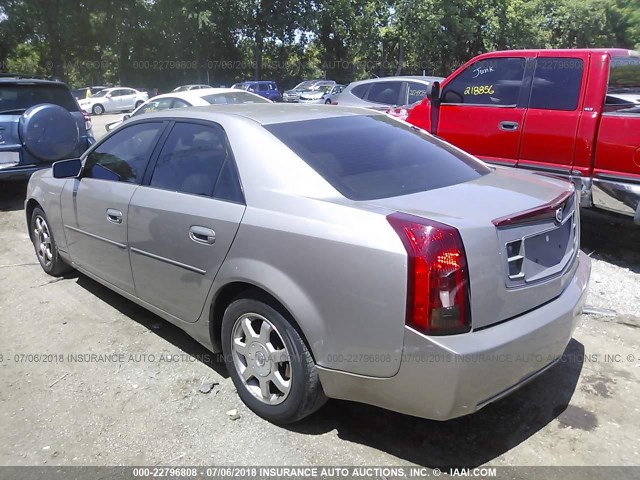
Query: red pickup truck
[{"x": 574, "y": 113}]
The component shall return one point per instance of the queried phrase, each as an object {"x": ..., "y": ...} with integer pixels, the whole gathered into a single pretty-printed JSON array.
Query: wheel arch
[
  {"x": 244, "y": 289},
  {"x": 30, "y": 206}
]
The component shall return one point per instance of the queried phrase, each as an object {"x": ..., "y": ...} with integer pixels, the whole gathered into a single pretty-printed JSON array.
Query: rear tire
[
  {"x": 45, "y": 245},
  {"x": 97, "y": 109},
  {"x": 138, "y": 103},
  {"x": 269, "y": 362},
  {"x": 327, "y": 101}
]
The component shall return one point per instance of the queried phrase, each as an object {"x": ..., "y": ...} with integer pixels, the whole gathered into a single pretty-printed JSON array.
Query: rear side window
[
  {"x": 123, "y": 157},
  {"x": 623, "y": 94},
  {"x": 191, "y": 159},
  {"x": 155, "y": 105},
  {"x": 385, "y": 92},
  {"x": 25, "y": 96},
  {"x": 360, "y": 90},
  {"x": 417, "y": 91},
  {"x": 556, "y": 84},
  {"x": 491, "y": 82},
  {"x": 370, "y": 157}
]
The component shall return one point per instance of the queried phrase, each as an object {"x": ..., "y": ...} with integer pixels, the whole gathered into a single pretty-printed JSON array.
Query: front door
[
  {"x": 183, "y": 220},
  {"x": 482, "y": 109},
  {"x": 95, "y": 206}
]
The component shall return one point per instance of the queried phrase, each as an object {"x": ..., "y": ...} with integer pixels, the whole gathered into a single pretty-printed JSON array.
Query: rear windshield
[
  {"x": 233, "y": 98},
  {"x": 15, "y": 97},
  {"x": 372, "y": 157},
  {"x": 623, "y": 94}
]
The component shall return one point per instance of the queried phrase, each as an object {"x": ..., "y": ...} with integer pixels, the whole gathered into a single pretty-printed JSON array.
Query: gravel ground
[{"x": 144, "y": 410}]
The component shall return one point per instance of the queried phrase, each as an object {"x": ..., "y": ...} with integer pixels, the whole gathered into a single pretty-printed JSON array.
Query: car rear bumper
[
  {"x": 451, "y": 376},
  {"x": 618, "y": 196},
  {"x": 21, "y": 172}
]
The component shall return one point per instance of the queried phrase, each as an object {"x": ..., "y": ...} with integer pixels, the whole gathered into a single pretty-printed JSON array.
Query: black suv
[{"x": 40, "y": 123}]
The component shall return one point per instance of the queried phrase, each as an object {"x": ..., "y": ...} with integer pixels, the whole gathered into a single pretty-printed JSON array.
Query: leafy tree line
[{"x": 163, "y": 43}]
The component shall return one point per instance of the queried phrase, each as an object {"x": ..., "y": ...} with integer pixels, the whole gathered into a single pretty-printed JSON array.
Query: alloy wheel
[
  {"x": 261, "y": 358},
  {"x": 42, "y": 238}
]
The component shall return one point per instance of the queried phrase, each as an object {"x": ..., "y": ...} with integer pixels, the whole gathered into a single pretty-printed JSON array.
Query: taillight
[
  {"x": 438, "y": 279},
  {"x": 87, "y": 121}
]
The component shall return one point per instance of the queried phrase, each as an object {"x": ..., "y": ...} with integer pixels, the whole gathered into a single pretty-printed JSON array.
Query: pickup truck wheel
[
  {"x": 45, "y": 244},
  {"x": 269, "y": 362},
  {"x": 97, "y": 109}
]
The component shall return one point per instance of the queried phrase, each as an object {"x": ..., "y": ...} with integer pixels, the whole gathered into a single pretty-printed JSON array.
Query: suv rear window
[
  {"x": 22, "y": 96},
  {"x": 371, "y": 157}
]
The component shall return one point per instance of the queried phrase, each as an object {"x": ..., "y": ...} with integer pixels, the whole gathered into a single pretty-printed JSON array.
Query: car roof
[
  {"x": 264, "y": 113},
  {"x": 199, "y": 93},
  {"x": 26, "y": 80}
]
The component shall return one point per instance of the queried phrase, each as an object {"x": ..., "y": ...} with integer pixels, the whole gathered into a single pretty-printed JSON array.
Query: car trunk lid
[{"x": 520, "y": 233}]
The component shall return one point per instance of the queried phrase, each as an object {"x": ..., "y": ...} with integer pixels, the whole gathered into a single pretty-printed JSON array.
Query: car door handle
[
  {"x": 202, "y": 235},
  {"x": 508, "y": 126},
  {"x": 114, "y": 216}
]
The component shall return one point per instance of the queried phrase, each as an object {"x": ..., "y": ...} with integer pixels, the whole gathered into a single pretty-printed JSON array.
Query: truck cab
[{"x": 574, "y": 113}]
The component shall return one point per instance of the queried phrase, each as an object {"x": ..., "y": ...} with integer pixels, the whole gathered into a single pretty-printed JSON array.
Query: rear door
[
  {"x": 552, "y": 119},
  {"x": 483, "y": 108},
  {"x": 183, "y": 220},
  {"x": 95, "y": 207}
]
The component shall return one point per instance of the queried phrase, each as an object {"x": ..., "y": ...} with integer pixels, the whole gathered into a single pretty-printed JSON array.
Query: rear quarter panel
[{"x": 618, "y": 145}]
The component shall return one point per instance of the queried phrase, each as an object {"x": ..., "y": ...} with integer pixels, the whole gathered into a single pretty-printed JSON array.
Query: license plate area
[{"x": 9, "y": 159}]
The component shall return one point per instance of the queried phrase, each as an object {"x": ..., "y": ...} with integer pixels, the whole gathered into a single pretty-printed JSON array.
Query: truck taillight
[{"x": 438, "y": 279}]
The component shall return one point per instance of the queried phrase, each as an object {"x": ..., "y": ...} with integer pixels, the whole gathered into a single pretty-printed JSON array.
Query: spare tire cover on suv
[{"x": 49, "y": 132}]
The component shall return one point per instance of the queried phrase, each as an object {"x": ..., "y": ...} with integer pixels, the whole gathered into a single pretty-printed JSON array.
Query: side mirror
[
  {"x": 67, "y": 168},
  {"x": 108, "y": 95},
  {"x": 434, "y": 94}
]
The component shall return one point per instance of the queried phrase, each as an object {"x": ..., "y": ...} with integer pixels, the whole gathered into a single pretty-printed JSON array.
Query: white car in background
[
  {"x": 320, "y": 95},
  {"x": 109, "y": 100},
  {"x": 193, "y": 98}
]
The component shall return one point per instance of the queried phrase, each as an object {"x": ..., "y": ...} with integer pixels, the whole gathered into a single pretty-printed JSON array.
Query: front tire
[
  {"x": 269, "y": 362},
  {"x": 98, "y": 109},
  {"x": 45, "y": 245}
]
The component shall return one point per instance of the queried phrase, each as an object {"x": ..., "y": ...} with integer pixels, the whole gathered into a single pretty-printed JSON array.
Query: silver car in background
[
  {"x": 322, "y": 95},
  {"x": 340, "y": 253},
  {"x": 382, "y": 93}
]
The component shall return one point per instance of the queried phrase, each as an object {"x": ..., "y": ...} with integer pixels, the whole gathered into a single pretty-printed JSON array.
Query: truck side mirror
[{"x": 434, "y": 94}]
